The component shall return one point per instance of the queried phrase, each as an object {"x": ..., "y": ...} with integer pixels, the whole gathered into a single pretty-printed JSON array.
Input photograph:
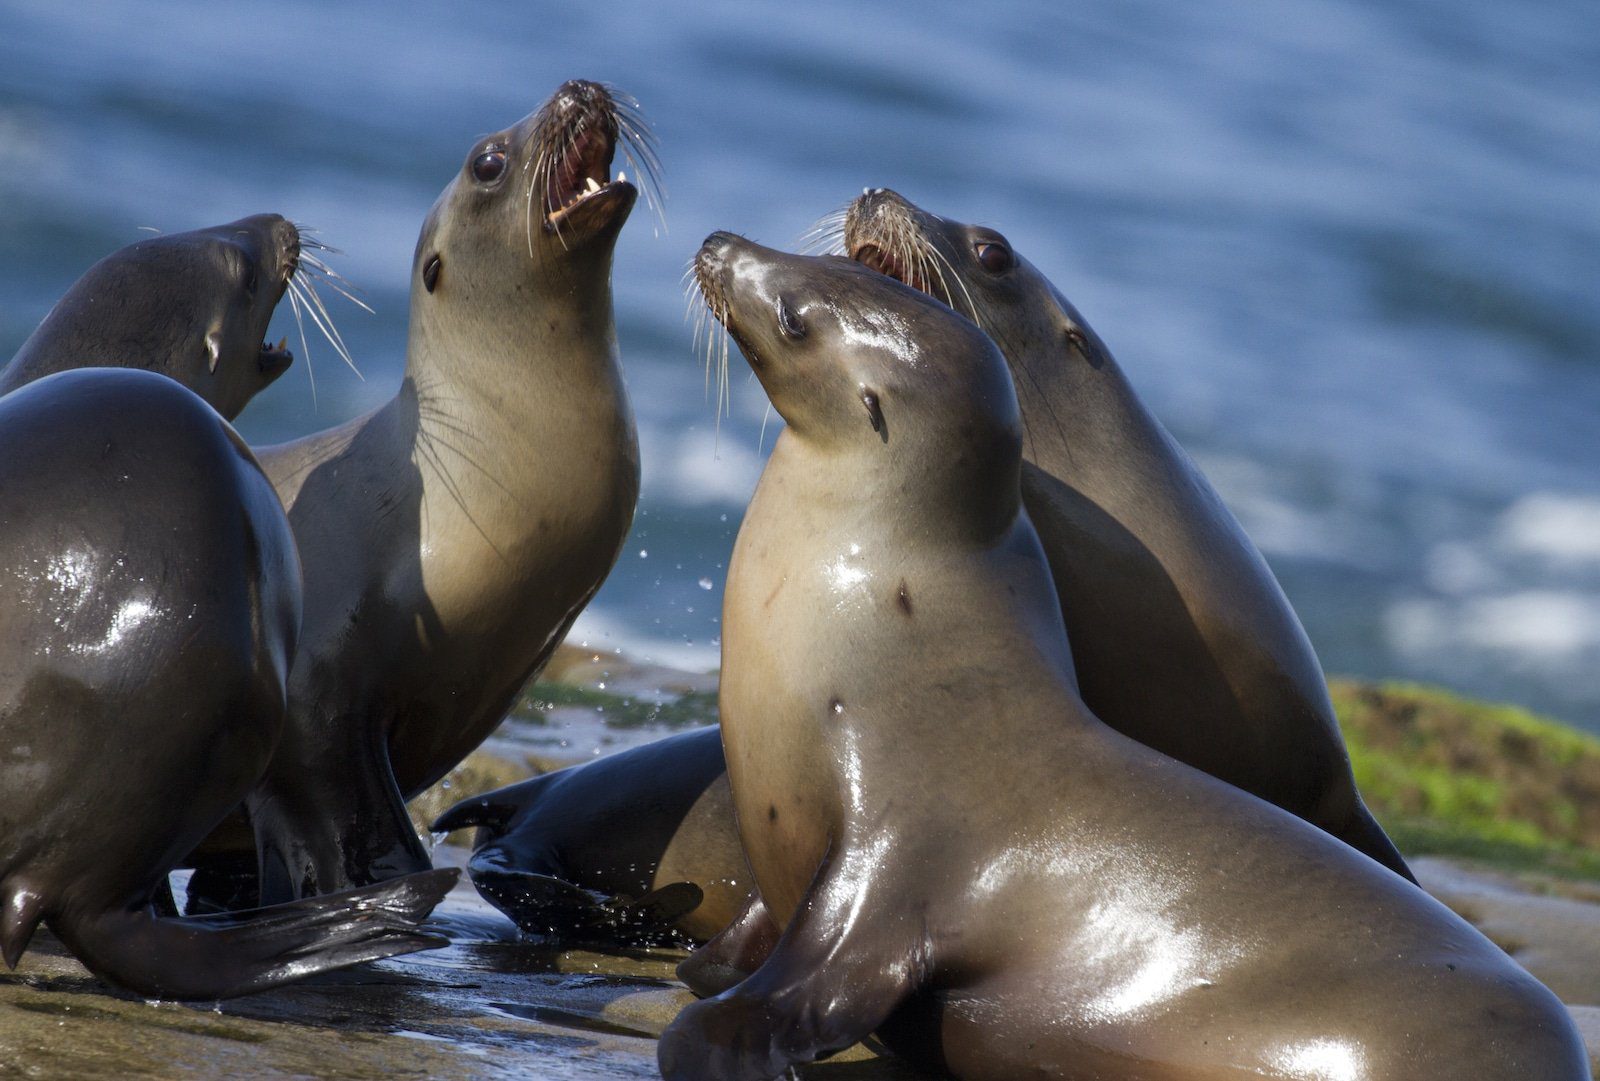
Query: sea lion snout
[
  {"x": 581, "y": 92},
  {"x": 711, "y": 269}
]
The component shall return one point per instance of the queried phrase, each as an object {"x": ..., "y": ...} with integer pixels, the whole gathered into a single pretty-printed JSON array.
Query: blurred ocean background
[{"x": 1348, "y": 252}]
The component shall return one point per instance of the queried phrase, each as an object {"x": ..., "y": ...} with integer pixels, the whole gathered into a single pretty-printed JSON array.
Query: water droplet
[
  {"x": 445, "y": 784},
  {"x": 601, "y": 686},
  {"x": 704, "y": 583},
  {"x": 644, "y": 553}
]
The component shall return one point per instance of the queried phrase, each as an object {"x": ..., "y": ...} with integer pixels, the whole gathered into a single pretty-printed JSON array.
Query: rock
[
  {"x": 1555, "y": 938},
  {"x": 490, "y": 1006}
]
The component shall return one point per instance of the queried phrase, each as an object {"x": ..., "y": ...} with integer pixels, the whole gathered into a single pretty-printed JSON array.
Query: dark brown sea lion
[
  {"x": 149, "y": 605},
  {"x": 193, "y": 306},
  {"x": 450, "y": 537},
  {"x": 963, "y": 857},
  {"x": 629, "y": 848}
]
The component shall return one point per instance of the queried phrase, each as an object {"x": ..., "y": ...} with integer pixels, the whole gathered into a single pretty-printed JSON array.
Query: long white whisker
[
  {"x": 319, "y": 315},
  {"x": 305, "y": 349}
]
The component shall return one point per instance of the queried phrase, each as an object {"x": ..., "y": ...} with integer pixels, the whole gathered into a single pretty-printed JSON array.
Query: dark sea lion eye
[
  {"x": 790, "y": 323},
  {"x": 488, "y": 166},
  {"x": 994, "y": 257},
  {"x": 430, "y": 273}
]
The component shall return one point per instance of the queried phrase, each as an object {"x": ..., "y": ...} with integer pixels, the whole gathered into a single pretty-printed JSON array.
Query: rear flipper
[
  {"x": 487, "y": 812},
  {"x": 236, "y": 953},
  {"x": 546, "y": 905},
  {"x": 733, "y": 952},
  {"x": 851, "y": 955}
]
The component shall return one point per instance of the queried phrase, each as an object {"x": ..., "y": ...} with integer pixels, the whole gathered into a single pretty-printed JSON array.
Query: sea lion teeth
[{"x": 591, "y": 185}]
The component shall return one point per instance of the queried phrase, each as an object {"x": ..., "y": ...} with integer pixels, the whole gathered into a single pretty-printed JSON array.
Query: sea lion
[
  {"x": 450, "y": 537},
  {"x": 149, "y": 604},
  {"x": 1146, "y": 558},
  {"x": 632, "y": 848},
  {"x": 193, "y": 306},
  {"x": 965, "y": 859}
]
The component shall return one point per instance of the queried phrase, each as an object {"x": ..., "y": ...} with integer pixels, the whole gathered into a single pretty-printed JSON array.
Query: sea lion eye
[
  {"x": 790, "y": 323},
  {"x": 994, "y": 256},
  {"x": 487, "y": 166}
]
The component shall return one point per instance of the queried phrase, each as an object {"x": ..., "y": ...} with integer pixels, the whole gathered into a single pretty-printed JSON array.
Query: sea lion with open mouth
[
  {"x": 450, "y": 537},
  {"x": 193, "y": 306},
  {"x": 149, "y": 606},
  {"x": 966, "y": 860},
  {"x": 1180, "y": 635}
]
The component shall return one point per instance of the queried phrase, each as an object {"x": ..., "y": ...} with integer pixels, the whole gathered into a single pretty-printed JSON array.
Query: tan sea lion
[
  {"x": 193, "y": 306},
  {"x": 1146, "y": 558},
  {"x": 964, "y": 858},
  {"x": 450, "y": 537},
  {"x": 149, "y": 605}
]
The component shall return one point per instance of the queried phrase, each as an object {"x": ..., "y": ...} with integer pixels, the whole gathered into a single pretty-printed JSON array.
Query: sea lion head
[
  {"x": 194, "y": 306},
  {"x": 861, "y": 365},
  {"x": 534, "y": 211},
  {"x": 974, "y": 270}
]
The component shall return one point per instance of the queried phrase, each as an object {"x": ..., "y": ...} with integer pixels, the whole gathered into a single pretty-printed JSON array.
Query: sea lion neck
[
  {"x": 971, "y": 500},
  {"x": 494, "y": 358}
]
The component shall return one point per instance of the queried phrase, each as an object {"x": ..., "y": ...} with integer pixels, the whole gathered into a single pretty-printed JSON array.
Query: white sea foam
[
  {"x": 1534, "y": 629},
  {"x": 698, "y": 467},
  {"x": 1564, "y": 529},
  {"x": 599, "y": 630}
]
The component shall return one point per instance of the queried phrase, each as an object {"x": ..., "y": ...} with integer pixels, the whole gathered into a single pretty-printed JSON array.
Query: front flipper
[
  {"x": 733, "y": 952},
  {"x": 547, "y": 905},
  {"x": 851, "y": 955},
  {"x": 235, "y": 953}
]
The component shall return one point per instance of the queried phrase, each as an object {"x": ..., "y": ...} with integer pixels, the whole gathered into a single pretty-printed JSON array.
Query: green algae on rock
[{"x": 1450, "y": 776}]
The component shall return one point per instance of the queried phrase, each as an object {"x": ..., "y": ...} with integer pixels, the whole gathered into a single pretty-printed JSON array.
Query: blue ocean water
[{"x": 1348, "y": 251}]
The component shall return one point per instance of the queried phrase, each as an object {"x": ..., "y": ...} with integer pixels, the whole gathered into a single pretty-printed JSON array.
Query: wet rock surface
[{"x": 492, "y": 1005}]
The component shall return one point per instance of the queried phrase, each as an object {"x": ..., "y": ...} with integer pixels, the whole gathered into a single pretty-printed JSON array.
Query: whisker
[
  {"x": 318, "y": 313},
  {"x": 826, "y": 234},
  {"x": 761, "y": 440},
  {"x": 305, "y": 349}
]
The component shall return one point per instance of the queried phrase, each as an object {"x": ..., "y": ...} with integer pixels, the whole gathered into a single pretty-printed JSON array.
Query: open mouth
[
  {"x": 582, "y": 175},
  {"x": 887, "y": 263},
  {"x": 275, "y": 358}
]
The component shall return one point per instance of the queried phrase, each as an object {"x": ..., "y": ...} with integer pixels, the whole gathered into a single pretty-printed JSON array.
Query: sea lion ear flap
[
  {"x": 869, "y": 398},
  {"x": 1085, "y": 344}
]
